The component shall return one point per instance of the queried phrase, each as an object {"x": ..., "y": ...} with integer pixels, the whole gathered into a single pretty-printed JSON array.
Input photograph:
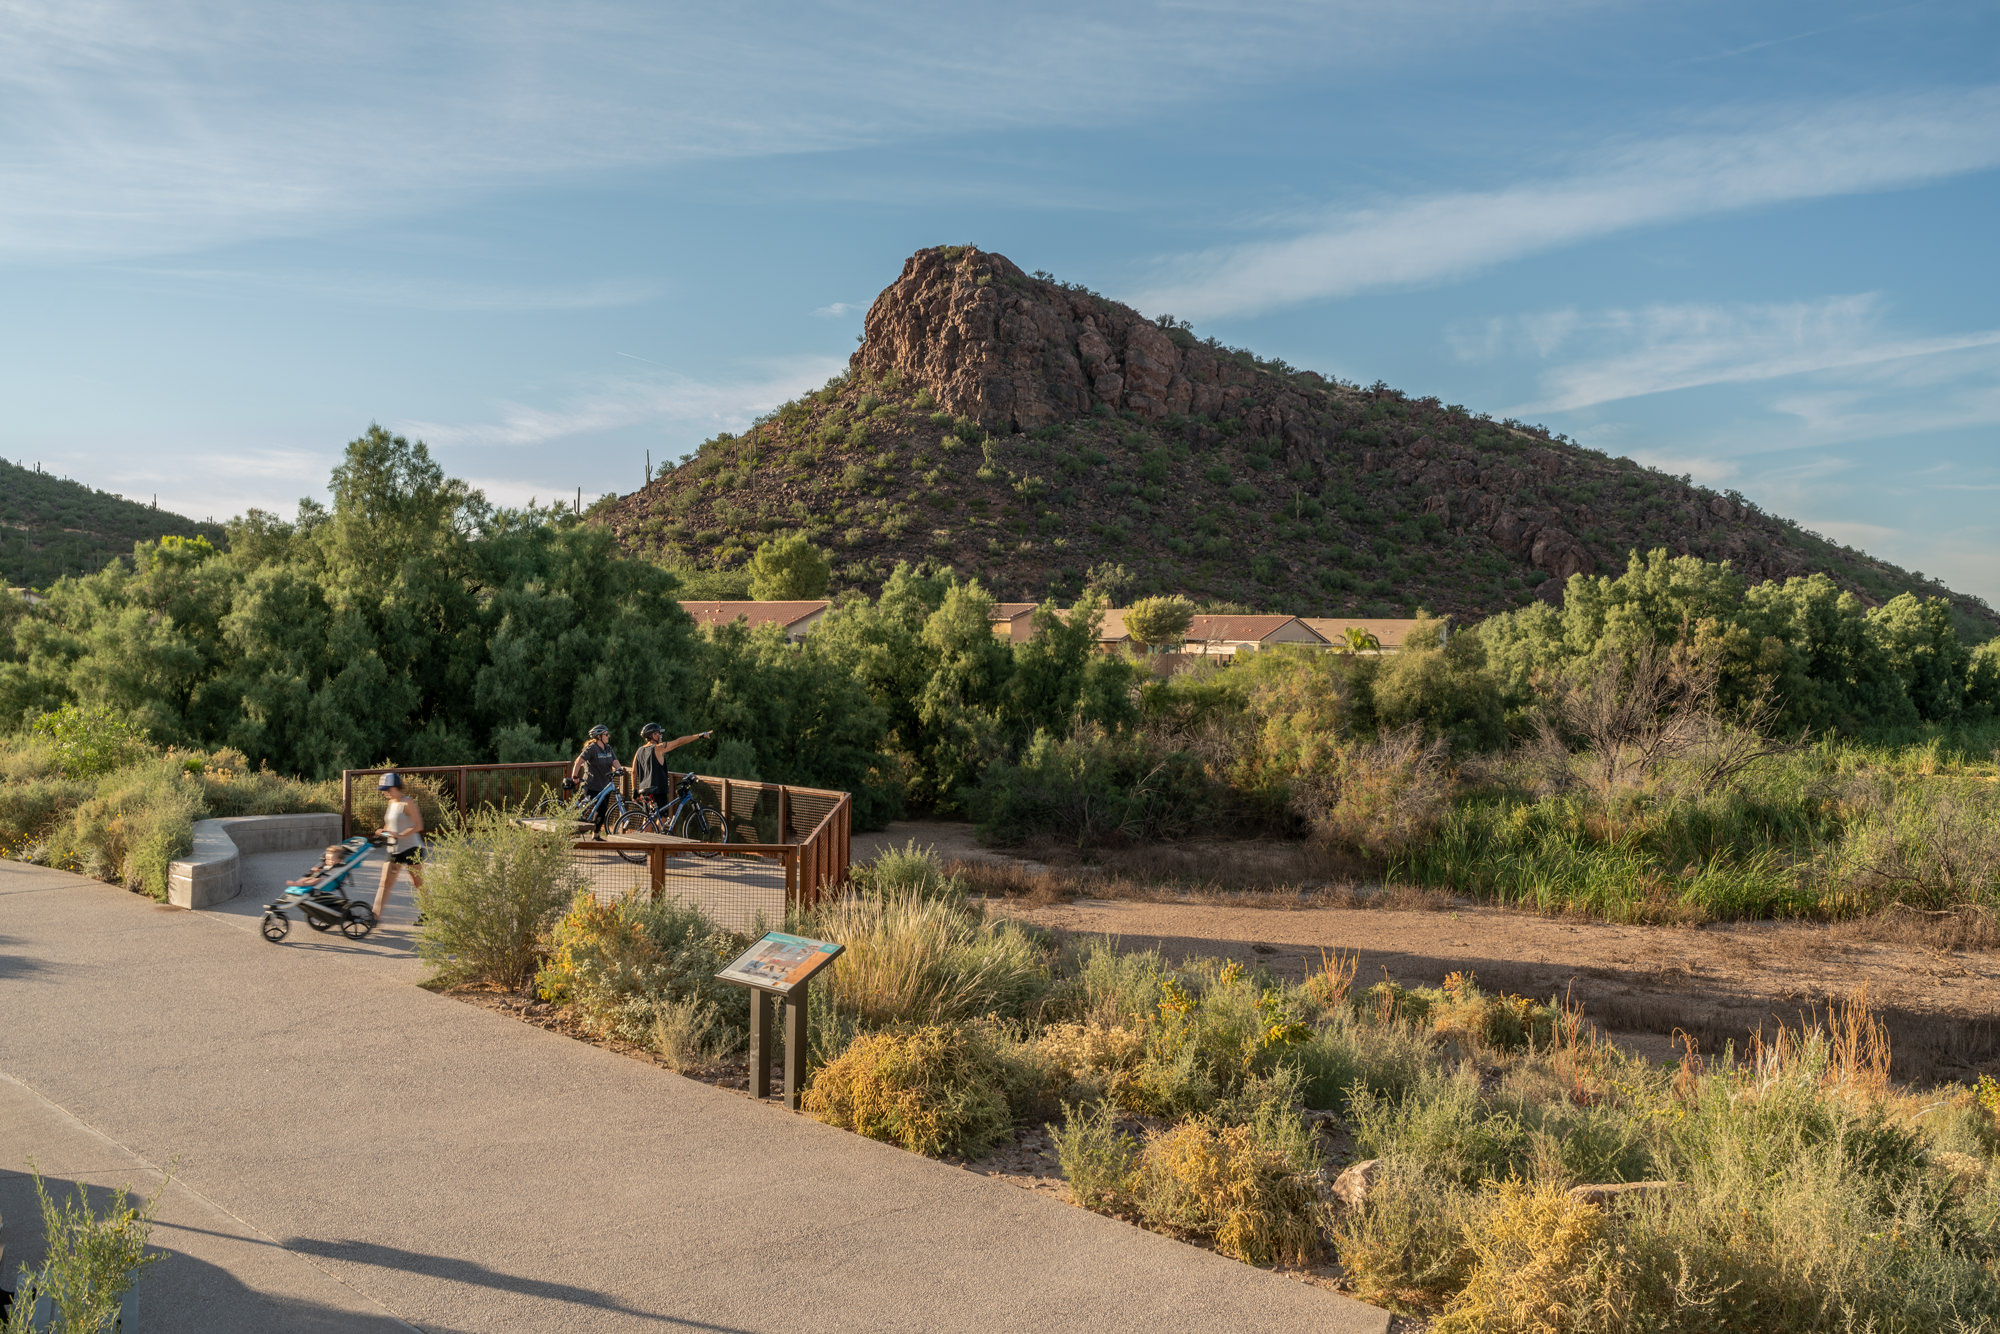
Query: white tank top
[{"x": 399, "y": 823}]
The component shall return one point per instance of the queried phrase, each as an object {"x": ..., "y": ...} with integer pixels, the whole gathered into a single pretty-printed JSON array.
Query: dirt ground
[{"x": 1641, "y": 984}]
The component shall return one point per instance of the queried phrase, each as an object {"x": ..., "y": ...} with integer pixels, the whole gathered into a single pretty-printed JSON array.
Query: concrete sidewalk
[{"x": 357, "y": 1153}]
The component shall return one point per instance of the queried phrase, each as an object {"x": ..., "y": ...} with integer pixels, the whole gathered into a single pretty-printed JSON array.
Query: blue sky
[{"x": 1754, "y": 243}]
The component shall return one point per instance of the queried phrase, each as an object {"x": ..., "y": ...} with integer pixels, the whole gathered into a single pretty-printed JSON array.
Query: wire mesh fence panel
[
  {"x": 612, "y": 877},
  {"x": 808, "y": 808},
  {"x": 753, "y": 812},
  {"x": 738, "y": 893},
  {"x": 513, "y": 789},
  {"x": 746, "y": 892}
]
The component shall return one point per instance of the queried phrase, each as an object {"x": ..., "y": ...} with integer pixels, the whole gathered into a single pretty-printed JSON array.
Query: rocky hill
[
  {"x": 51, "y": 526},
  {"x": 1031, "y": 431}
]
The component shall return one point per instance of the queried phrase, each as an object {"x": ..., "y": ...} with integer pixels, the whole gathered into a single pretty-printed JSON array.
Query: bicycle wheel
[
  {"x": 554, "y": 808},
  {"x": 631, "y": 821},
  {"x": 704, "y": 824}
]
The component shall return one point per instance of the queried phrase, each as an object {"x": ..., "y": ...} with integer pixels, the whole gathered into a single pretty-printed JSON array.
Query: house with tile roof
[
  {"x": 1226, "y": 636},
  {"x": 1389, "y": 633},
  {"x": 796, "y": 618},
  {"x": 1013, "y": 621}
]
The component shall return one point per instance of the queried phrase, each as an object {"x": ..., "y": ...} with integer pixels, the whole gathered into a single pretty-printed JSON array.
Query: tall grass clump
[
  {"x": 907, "y": 872},
  {"x": 917, "y": 959},
  {"x": 492, "y": 889}
]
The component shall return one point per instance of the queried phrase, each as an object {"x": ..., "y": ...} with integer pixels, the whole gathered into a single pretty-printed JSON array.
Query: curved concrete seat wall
[{"x": 210, "y": 874}]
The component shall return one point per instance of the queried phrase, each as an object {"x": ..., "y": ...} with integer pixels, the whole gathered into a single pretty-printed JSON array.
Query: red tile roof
[{"x": 1242, "y": 629}]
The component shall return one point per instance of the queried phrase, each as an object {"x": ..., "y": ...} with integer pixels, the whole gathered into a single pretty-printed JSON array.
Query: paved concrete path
[{"x": 355, "y": 1153}]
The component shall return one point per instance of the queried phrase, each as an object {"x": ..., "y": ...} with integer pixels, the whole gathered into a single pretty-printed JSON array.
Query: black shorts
[{"x": 408, "y": 856}]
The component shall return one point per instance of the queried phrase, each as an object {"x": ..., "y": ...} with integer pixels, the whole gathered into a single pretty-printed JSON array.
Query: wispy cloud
[
  {"x": 1762, "y": 159},
  {"x": 1657, "y": 349},
  {"x": 677, "y": 402},
  {"x": 836, "y": 310},
  {"x": 146, "y": 128},
  {"x": 415, "y": 292}
]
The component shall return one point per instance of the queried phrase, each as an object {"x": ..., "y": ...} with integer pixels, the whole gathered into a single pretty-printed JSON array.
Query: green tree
[
  {"x": 1922, "y": 647},
  {"x": 1159, "y": 621},
  {"x": 787, "y": 569},
  {"x": 1982, "y": 680}
]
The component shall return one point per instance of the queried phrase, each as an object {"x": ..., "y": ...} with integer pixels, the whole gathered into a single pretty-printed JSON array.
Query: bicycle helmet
[
  {"x": 389, "y": 782},
  {"x": 651, "y": 729},
  {"x": 601, "y": 730}
]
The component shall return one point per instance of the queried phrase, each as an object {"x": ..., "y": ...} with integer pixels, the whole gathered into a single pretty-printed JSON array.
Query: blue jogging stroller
[{"x": 320, "y": 895}]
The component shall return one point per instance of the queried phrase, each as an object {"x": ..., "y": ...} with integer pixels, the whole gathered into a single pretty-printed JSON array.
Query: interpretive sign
[
  {"x": 778, "y": 968},
  {"x": 780, "y": 962}
]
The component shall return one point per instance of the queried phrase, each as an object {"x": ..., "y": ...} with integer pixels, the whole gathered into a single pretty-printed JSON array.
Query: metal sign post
[{"x": 778, "y": 967}]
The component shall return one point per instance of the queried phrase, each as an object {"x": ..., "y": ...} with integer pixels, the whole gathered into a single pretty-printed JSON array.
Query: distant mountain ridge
[
  {"x": 51, "y": 526},
  {"x": 1029, "y": 431}
]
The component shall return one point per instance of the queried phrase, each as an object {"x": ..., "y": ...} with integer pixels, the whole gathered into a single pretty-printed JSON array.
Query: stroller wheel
[
  {"x": 275, "y": 926},
  {"x": 360, "y": 921},
  {"x": 316, "y": 924}
]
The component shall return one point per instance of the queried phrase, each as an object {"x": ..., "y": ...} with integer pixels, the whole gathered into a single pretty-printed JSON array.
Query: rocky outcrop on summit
[{"x": 1014, "y": 353}]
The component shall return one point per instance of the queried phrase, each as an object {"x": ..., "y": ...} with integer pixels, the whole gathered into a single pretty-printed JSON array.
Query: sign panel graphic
[{"x": 780, "y": 962}]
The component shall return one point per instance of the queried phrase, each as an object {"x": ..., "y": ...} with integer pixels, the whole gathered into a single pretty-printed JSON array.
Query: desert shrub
[
  {"x": 491, "y": 891},
  {"x": 1096, "y": 1061},
  {"x": 90, "y": 1261},
  {"x": 1096, "y": 787},
  {"x": 1382, "y": 798},
  {"x": 645, "y": 972},
  {"x": 89, "y": 740},
  {"x": 1096, "y": 1158},
  {"x": 1404, "y": 1247},
  {"x": 1107, "y": 986},
  {"x": 232, "y": 786},
  {"x": 1541, "y": 1260},
  {"x": 1933, "y": 845},
  {"x": 1245, "y": 1184},
  {"x": 1445, "y": 1124},
  {"x": 1233, "y": 1184},
  {"x": 1344, "y": 1054},
  {"x": 129, "y": 823},
  {"x": 909, "y": 871},
  {"x": 130, "y": 828},
  {"x": 911, "y": 959},
  {"x": 933, "y": 1088}
]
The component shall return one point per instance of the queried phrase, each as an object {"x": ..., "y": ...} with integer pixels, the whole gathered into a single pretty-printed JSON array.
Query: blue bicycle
[
  {"x": 606, "y": 813},
  {"x": 687, "y": 816}
]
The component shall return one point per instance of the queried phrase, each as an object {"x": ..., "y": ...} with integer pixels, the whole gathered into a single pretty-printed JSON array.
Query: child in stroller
[{"x": 320, "y": 895}]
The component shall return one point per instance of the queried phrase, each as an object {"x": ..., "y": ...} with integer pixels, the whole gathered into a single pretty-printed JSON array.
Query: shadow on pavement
[
  {"x": 19, "y": 966},
  {"x": 470, "y": 1272}
]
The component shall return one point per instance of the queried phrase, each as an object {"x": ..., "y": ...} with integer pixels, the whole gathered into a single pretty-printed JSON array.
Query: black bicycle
[
  {"x": 606, "y": 813},
  {"x": 687, "y": 816}
]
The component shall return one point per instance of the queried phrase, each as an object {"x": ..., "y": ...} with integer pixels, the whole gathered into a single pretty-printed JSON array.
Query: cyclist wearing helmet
[
  {"x": 650, "y": 779},
  {"x": 403, "y": 824},
  {"x": 597, "y": 765}
]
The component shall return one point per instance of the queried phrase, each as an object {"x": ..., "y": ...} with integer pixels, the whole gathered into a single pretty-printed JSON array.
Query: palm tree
[{"x": 1358, "y": 640}]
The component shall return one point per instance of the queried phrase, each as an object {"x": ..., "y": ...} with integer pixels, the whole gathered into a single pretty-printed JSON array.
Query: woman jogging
[
  {"x": 651, "y": 781},
  {"x": 403, "y": 823}
]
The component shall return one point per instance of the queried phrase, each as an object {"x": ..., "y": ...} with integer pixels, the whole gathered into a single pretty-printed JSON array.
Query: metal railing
[{"x": 809, "y": 829}]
